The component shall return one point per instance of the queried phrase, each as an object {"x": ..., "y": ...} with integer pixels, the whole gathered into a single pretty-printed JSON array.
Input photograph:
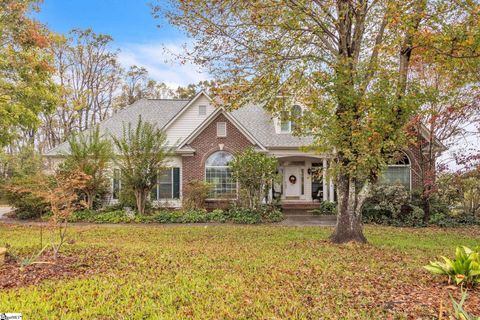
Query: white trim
[{"x": 169, "y": 123}]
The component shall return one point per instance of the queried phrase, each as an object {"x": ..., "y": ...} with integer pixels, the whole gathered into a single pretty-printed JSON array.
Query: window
[
  {"x": 221, "y": 129},
  {"x": 398, "y": 173},
  {"x": 202, "y": 110},
  {"x": 217, "y": 173},
  {"x": 167, "y": 185},
  {"x": 116, "y": 184},
  {"x": 289, "y": 121},
  {"x": 296, "y": 117},
  {"x": 284, "y": 122}
]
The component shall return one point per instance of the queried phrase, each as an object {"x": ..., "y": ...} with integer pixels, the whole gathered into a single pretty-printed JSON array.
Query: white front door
[{"x": 292, "y": 181}]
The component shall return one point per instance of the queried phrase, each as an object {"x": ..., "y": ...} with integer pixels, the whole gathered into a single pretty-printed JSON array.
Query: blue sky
[{"x": 133, "y": 29}]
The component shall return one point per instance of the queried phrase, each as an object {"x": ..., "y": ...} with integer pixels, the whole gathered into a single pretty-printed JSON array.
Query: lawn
[{"x": 237, "y": 272}]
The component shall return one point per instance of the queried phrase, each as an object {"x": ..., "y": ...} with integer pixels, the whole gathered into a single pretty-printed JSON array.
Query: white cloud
[{"x": 159, "y": 60}]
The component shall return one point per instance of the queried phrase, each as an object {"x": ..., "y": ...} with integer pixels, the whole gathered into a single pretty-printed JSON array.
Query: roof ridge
[{"x": 167, "y": 99}]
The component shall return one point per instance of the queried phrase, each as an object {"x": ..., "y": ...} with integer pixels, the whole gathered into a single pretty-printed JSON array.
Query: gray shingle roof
[
  {"x": 254, "y": 118},
  {"x": 158, "y": 111},
  {"x": 260, "y": 124}
]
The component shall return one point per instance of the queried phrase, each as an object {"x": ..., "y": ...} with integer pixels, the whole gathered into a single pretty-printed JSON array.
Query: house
[{"x": 206, "y": 138}]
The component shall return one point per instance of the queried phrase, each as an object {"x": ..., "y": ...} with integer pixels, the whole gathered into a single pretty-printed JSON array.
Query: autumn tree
[
  {"x": 142, "y": 155},
  {"x": 26, "y": 86},
  {"x": 189, "y": 91},
  {"x": 136, "y": 84},
  {"x": 346, "y": 61},
  {"x": 88, "y": 73},
  {"x": 90, "y": 153},
  {"x": 450, "y": 104}
]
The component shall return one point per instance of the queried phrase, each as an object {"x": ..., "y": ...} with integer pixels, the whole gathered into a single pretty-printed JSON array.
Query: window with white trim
[
  {"x": 290, "y": 120},
  {"x": 202, "y": 110},
  {"x": 221, "y": 129},
  {"x": 219, "y": 176},
  {"x": 398, "y": 173},
  {"x": 167, "y": 185}
]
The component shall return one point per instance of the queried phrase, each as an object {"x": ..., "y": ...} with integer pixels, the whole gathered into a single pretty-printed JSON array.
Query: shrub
[
  {"x": 27, "y": 205},
  {"x": 244, "y": 215},
  {"x": 126, "y": 198},
  {"x": 271, "y": 213},
  {"x": 254, "y": 172},
  {"x": 195, "y": 194},
  {"x": 391, "y": 205},
  {"x": 464, "y": 269},
  {"x": 326, "y": 208}
]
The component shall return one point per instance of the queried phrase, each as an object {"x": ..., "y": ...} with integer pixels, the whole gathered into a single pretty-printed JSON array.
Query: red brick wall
[
  {"x": 418, "y": 166},
  {"x": 206, "y": 143}
]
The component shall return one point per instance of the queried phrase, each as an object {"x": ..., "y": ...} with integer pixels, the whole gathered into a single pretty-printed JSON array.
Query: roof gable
[{"x": 212, "y": 118}]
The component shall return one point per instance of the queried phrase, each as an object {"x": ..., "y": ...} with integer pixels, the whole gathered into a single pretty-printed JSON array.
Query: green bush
[
  {"x": 235, "y": 215},
  {"x": 464, "y": 269},
  {"x": 244, "y": 215},
  {"x": 391, "y": 205},
  {"x": 195, "y": 194},
  {"x": 271, "y": 213},
  {"x": 326, "y": 208}
]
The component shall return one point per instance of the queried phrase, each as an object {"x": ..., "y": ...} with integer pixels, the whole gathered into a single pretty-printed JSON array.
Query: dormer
[{"x": 285, "y": 122}]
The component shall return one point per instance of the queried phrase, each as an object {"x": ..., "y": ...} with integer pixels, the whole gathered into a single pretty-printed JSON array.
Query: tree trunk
[
  {"x": 90, "y": 198},
  {"x": 140, "y": 197},
  {"x": 426, "y": 209},
  {"x": 351, "y": 196}
]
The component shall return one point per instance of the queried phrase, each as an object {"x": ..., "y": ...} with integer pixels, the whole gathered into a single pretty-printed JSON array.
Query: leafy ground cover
[{"x": 232, "y": 272}]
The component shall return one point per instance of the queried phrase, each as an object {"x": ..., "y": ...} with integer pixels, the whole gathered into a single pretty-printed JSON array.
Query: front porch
[{"x": 303, "y": 181}]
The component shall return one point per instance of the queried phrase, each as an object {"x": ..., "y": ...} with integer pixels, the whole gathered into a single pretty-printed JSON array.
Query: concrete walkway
[
  {"x": 305, "y": 220},
  {"x": 4, "y": 211}
]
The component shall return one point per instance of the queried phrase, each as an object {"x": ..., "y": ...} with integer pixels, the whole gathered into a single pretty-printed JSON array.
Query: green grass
[{"x": 231, "y": 272}]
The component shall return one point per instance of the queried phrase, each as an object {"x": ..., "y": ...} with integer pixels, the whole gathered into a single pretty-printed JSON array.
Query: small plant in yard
[
  {"x": 326, "y": 208},
  {"x": 195, "y": 194},
  {"x": 61, "y": 193},
  {"x": 460, "y": 313},
  {"x": 463, "y": 270}
]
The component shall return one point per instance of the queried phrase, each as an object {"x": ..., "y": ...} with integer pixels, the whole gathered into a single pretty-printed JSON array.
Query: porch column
[
  {"x": 324, "y": 180},
  {"x": 331, "y": 193}
]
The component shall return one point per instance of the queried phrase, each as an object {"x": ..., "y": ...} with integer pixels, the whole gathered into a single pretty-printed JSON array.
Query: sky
[{"x": 134, "y": 32}]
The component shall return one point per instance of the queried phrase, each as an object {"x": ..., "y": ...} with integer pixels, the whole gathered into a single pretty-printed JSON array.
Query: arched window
[
  {"x": 289, "y": 120},
  {"x": 217, "y": 173},
  {"x": 399, "y": 172},
  {"x": 296, "y": 117}
]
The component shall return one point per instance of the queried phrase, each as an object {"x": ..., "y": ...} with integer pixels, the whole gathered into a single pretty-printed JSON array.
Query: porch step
[{"x": 300, "y": 205}]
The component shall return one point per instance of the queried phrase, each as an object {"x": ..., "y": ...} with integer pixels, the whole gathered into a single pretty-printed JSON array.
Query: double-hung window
[{"x": 167, "y": 185}]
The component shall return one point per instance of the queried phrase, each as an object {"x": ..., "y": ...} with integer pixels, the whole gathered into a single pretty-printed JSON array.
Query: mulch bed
[
  {"x": 13, "y": 275},
  {"x": 425, "y": 302}
]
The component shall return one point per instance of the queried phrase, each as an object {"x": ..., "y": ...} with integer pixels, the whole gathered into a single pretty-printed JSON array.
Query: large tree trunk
[{"x": 351, "y": 195}]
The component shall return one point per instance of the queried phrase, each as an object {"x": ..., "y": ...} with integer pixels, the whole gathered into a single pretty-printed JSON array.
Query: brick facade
[
  {"x": 419, "y": 167},
  {"x": 207, "y": 143}
]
